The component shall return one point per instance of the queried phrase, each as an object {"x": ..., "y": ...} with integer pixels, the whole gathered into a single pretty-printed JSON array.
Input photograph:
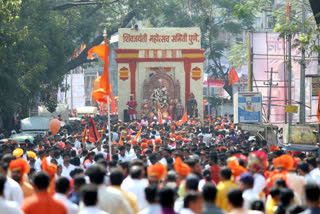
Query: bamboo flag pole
[{"x": 109, "y": 129}]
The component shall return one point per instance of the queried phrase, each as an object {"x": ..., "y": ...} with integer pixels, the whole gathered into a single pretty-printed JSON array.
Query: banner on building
[{"x": 247, "y": 107}]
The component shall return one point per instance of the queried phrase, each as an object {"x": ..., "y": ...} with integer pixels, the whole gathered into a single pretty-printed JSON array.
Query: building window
[{"x": 205, "y": 91}]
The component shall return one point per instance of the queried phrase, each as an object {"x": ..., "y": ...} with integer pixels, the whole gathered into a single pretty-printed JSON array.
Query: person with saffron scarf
[
  {"x": 51, "y": 170},
  {"x": 19, "y": 168}
]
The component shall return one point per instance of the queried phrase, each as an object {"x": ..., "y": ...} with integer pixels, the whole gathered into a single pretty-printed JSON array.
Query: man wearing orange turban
[
  {"x": 18, "y": 168},
  {"x": 156, "y": 172},
  {"x": 181, "y": 168}
]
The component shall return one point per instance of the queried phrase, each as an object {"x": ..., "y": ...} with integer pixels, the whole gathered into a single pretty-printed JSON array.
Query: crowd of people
[{"x": 193, "y": 168}]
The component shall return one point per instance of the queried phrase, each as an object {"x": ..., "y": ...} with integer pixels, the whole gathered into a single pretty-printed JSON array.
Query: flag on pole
[
  {"x": 159, "y": 114},
  {"x": 102, "y": 51},
  {"x": 183, "y": 119},
  {"x": 318, "y": 110},
  {"x": 138, "y": 135},
  {"x": 93, "y": 131},
  {"x": 233, "y": 77},
  {"x": 113, "y": 104},
  {"x": 120, "y": 140},
  {"x": 84, "y": 137}
]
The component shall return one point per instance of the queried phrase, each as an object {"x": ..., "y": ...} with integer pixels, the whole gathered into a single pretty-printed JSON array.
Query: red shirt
[
  {"x": 215, "y": 171},
  {"x": 43, "y": 203}
]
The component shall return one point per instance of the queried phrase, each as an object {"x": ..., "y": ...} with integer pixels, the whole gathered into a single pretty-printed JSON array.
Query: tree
[{"x": 37, "y": 40}]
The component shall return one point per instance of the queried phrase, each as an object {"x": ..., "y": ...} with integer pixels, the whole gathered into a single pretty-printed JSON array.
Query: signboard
[
  {"x": 269, "y": 51},
  {"x": 247, "y": 107},
  {"x": 291, "y": 109},
  {"x": 251, "y": 127},
  {"x": 299, "y": 135},
  {"x": 160, "y": 38},
  {"x": 315, "y": 86}
]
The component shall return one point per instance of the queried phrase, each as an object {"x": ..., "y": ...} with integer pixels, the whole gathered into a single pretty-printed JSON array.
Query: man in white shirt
[
  {"x": 90, "y": 200},
  {"x": 12, "y": 190},
  {"x": 303, "y": 170},
  {"x": 248, "y": 195},
  {"x": 37, "y": 164},
  {"x": 122, "y": 154},
  {"x": 130, "y": 154},
  {"x": 7, "y": 207},
  {"x": 62, "y": 189},
  {"x": 314, "y": 170},
  {"x": 66, "y": 166},
  {"x": 98, "y": 150},
  {"x": 109, "y": 200},
  {"x": 77, "y": 143},
  {"x": 136, "y": 185}
]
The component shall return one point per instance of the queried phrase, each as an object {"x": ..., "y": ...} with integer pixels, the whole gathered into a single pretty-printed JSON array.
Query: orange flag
[
  {"x": 159, "y": 114},
  {"x": 113, "y": 104},
  {"x": 183, "y": 119},
  {"x": 138, "y": 135},
  {"x": 120, "y": 140},
  {"x": 318, "y": 110},
  {"x": 99, "y": 50},
  {"x": 84, "y": 136},
  {"x": 233, "y": 77},
  {"x": 103, "y": 52}
]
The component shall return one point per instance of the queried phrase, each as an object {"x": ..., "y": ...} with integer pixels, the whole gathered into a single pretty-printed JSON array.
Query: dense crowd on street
[{"x": 191, "y": 168}]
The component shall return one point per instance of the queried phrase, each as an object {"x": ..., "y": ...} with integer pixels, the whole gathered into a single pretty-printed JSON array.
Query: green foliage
[
  {"x": 51, "y": 105},
  {"x": 38, "y": 38},
  {"x": 239, "y": 54}
]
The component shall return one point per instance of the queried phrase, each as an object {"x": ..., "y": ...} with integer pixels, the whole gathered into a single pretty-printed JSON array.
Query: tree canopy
[{"x": 39, "y": 37}]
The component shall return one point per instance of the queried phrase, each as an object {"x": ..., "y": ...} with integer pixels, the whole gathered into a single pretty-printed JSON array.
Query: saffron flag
[
  {"x": 159, "y": 114},
  {"x": 318, "y": 111},
  {"x": 138, "y": 135},
  {"x": 93, "y": 131},
  {"x": 84, "y": 136},
  {"x": 233, "y": 77},
  {"x": 120, "y": 140},
  {"x": 183, "y": 119},
  {"x": 113, "y": 104},
  {"x": 102, "y": 51}
]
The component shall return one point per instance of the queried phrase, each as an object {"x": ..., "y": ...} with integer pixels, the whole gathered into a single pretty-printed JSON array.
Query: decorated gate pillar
[{"x": 174, "y": 52}]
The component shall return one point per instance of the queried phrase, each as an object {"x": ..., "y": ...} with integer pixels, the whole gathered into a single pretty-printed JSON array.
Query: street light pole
[
  {"x": 289, "y": 75},
  {"x": 302, "y": 109}
]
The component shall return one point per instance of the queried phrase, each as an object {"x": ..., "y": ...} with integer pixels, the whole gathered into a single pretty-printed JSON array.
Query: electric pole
[
  {"x": 289, "y": 75},
  {"x": 302, "y": 109}
]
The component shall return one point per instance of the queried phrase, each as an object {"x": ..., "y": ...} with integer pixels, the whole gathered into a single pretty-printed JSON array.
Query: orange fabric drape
[
  {"x": 233, "y": 77},
  {"x": 99, "y": 50},
  {"x": 138, "y": 135},
  {"x": 103, "y": 52},
  {"x": 183, "y": 119},
  {"x": 120, "y": 140},
  {"x": 159, "y": 114},
  {"x": 84, "y": 137},
  {"x": 113, "y": 104}
]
